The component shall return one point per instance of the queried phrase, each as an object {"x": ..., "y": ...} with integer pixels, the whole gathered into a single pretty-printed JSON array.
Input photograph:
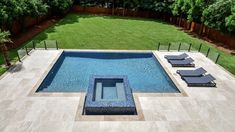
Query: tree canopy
[{"x": 219, "y": 14}]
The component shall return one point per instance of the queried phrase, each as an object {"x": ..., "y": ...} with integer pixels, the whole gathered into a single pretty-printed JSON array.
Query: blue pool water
[
  {"x": 109, "y": 91},
  {"x": 72, "y": 71}
]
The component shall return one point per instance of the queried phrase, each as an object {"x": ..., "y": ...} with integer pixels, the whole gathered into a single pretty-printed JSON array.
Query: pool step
[
  {"x": 120, "y": 91},
  {"x": 98, "y": 94}
]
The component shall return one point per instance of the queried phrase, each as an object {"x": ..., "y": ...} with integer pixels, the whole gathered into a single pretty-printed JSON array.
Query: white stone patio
[{"x": 202, "y": 110}]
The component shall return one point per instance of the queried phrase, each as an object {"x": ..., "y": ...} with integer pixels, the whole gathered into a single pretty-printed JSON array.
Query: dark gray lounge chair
[
  {"x": 192, "y": 73},
  {"x": 204, "y": 81},
  {"x": 176, "y": 57},
  {"x": 182, "y": 63}
]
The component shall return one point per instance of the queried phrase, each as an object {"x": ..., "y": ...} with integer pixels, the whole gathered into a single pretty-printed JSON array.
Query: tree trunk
[
  {"x": 5, "y": 55},
  {"x": 201, "y": 29},
  {"x": 123, "y": 10},
  {"x": 180, "y": 20},
  {"x": 113, "y": 8},
  {"x": 37, "y": 19}
]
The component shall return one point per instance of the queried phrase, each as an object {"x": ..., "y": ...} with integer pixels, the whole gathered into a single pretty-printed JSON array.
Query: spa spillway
[{"x": 109, "y": 95}]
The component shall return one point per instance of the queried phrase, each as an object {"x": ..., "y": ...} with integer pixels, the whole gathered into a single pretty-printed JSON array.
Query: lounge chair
[
  {"x": 176, "y": 57},
  {"x": 204, "y": 81},
  {"x": 192, "y": 73},
  {"x": 182, "y": 63}
]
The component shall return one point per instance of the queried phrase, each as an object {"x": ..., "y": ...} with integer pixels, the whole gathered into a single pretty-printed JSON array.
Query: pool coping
[
  {"x": 110, "y": 106},
  {"x": 66, "y": 94},
  {"x": 44, "y": 75},
  {"x": 79, "y": 113}
]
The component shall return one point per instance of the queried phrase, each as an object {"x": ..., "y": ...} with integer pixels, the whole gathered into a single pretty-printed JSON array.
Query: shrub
[
  {"x": 162, "y": 6},
  {"x": 214, "y": 16},
  {"x": 10, "y": 10},
  {"x": 176, "y": 7},
  {"x": 196, "y": 9},
  {"x": 35, "y": 8},
  {"x": 59, "y": 6},
  {"x": 230, "y": 20}
]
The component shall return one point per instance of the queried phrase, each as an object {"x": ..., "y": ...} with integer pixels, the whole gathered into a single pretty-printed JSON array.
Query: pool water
[
  {"x": 72, "y": 71},
  {"x": 109, "y": 89},
  {"x": 109, "y": 92}
]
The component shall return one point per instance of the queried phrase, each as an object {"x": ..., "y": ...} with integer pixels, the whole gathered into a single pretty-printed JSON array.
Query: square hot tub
[{"x": 109, "y": 95}]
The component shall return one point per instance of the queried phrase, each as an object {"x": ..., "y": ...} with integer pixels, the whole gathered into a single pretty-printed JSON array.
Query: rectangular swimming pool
[{"x": 73, "y": 69}]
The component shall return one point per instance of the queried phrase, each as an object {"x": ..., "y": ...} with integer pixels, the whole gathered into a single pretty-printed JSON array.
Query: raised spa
[{"x": 109, "y": 95}]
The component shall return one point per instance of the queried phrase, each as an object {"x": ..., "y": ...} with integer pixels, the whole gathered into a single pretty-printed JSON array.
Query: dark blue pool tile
[
  {"x": 72, "y": 70},
  {"x": 113, "y": 107}
]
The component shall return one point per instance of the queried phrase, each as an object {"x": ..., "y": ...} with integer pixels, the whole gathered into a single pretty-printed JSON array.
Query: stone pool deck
[{"x": 197, "y": 110}]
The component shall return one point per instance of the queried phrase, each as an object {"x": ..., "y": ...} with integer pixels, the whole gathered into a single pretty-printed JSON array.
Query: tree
[
  {"x": 214, "y": 16},
  {"x": 10, "y": 10},
  {"x": 185, "y": 8},
  {"x": 132, "y": 4},
  {"x": 176, "y": 7},
  {"x": 59, "y": 6},
  {"x": 162, "y": 6},
  {"x": 4, "y": 38},
  {"x": 230, "y": 20},
  {"x": 34, "y": 8},
  {"x": 196, "y": 9},
  {"x": 146, "y": 5}
]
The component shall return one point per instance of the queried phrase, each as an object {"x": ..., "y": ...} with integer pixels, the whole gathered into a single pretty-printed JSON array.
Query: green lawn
[{"x": 106, "y": 32}]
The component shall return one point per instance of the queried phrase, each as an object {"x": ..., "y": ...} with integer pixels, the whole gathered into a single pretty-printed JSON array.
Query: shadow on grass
[
  {"x": 75, "y": 18},
  {"x": 86, "y": 15}
]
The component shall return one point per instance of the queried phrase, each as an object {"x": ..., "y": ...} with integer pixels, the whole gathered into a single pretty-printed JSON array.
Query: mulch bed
[{"x": 20, "y": 39}]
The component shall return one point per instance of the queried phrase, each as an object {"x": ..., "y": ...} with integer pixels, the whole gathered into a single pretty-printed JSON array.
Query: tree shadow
[
  {"x": 72, "y": 18},
  {"x": 136, "y": 18},
  {"x": 16, "y": 68}
]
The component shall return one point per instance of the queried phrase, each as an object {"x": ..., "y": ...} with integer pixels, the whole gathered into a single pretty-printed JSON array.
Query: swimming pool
[{"x": 73, "y": 69}]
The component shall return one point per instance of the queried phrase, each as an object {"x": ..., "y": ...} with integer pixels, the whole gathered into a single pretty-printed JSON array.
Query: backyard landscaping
[{"x": 108, "y": 32}]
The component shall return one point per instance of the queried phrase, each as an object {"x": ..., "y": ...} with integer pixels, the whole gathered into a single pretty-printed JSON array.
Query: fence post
[
  {"x": 179, "y": 47},
  {"x": 208, "y": 51},
  {"x": 56, "y": 45},
  {"x": 26, "y": 49},
  {"x": 217, "y": 59},
  {"x": 158, "y": 47},
  {"x": 18, "y": 57},
  {"x": 190, "y": 45},
  {"x": 33, "y": 44},
  {"x": 169, "y": 46},
  {"x": 45, "y": 45},
  {"x": 200, "y": 47}
]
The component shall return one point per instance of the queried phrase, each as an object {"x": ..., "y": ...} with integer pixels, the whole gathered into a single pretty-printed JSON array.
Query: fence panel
[
  {"x": 51, "y": 44},
  {"x": 21, "y": 52},
  {"x": 29, "y": 46},
  {"x": 39, "y": 44},
  {"x": 195, "y": 47},
  {"x": 174, "y": 46},
  {"x": 213, "y": 55},
  {"x": 163, "y": 47},
  {"x": 184, "y": 47},
  {"x": 204, "y": 50}
]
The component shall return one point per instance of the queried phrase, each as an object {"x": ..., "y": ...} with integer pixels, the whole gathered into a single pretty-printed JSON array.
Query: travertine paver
[{"x": 202, "y": 110}]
